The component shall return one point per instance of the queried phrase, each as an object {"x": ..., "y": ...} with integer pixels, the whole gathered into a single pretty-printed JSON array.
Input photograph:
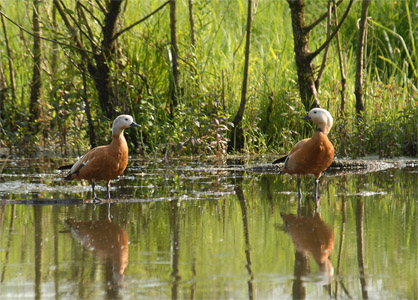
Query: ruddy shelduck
[
  {"x": 312, "y": 155},
  {"x": 312, "y": 236},
  {"x": 106, "y": 240},
  {"x": 104, "y": 163}
]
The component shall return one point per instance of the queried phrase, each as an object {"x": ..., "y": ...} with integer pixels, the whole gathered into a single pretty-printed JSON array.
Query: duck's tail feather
[
  {"x": 66, "y": 167},
  {"x": 280, "y": 160}
]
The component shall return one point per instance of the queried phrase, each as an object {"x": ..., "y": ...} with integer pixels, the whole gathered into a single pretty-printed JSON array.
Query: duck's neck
[
  {"x": 116, "y": 131},
  {"x": 325, "y": 129},
  {"x": 118, "y": 139}
]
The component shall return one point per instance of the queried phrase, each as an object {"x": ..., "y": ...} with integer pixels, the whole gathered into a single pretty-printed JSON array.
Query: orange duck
[
  {"x": 311, "y": 236},
  {"x": 106, "y": 240},
  {"x": 312, "y": 155},
  {"x": 104, "y": 163}
]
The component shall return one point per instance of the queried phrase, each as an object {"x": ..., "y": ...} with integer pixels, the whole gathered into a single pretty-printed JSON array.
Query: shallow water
[{"x": 206, "y": 230}]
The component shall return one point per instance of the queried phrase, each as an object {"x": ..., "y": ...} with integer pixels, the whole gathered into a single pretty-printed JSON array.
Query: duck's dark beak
[
  {"x": 133, "y": 124},
  {"x": 307, "y": 117}
]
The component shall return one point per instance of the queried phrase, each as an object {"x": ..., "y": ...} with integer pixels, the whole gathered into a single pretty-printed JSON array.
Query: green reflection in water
[{"x": 214, "y": 234}]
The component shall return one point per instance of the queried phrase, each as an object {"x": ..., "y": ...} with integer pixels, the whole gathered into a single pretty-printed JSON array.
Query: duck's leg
[
  {"x": 108, "y": 189},
  {"x": 93, "y": 213},
  {"x": 299, "y": 194},
  {"x": 109, "y": 216},
  {"x": 316, "y": 192},
  {"x": 95, "y": 199},
  {"x": 93, "y": 193}
]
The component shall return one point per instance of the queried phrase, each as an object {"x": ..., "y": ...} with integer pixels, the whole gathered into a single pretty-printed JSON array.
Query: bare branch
[
  {"x": 90, "y": 13},
  {"x": 82, "y": 16},
  {"x": 100, "y": 6},
  {"x": 82, "y": 50},
  {"x": 59, "y": 6},
  {"x": 324, "y": 59},
  {"x": 325, "y": 44},
  {"x": 140, "y": 21},
  {"x": 89, "y": 37},
  {"x": 320, "y": 19}
]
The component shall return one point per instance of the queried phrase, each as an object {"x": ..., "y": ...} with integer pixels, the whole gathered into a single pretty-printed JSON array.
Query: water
[{"x": 207, "y": 230}]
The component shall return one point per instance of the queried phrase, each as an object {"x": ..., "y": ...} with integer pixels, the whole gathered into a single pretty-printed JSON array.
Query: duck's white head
[
  {"x": 121, "y": 123},
  {"x": 320, "y": 117}
]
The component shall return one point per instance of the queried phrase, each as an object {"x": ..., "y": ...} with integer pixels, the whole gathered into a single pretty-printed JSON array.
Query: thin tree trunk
[
  {"x": 175, "y": 79},
  {"x": 341, "y": 61},
  {"x": 3, "y": 96},
  {"x": 9, "y": 58},
  {"x": 35, "y": 107},
  {"x": 92, "y": 135},
  {"x": 360, "y": 58},
  {"x": 236, "y": 137},
  {"x": 53, "y": 69},
  {"x": 191, "y": 21}
]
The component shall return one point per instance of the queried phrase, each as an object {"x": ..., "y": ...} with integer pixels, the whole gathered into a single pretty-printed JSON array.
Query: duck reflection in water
[
  {"x": 106, "y": 240},
  {"x": 311, "y": 236}
]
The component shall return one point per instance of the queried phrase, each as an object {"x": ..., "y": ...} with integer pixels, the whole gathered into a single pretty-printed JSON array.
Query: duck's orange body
[
  {"x": 312, "y": 155},
  {"x": 311, "y": 236},
  {"x": 106, "y": 239},
  {"x": 105, "y": 163}
]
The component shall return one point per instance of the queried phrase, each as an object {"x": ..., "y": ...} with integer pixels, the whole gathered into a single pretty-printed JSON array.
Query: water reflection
[
  {"x": 244, "y": 214},
  {"x": 204, "y": 231},
  {"x": 107, "y": 241},
  {"x": 175, "y": 240},
  {"x": 360, "y": 242},
  {"x": 310, "y": 236}
]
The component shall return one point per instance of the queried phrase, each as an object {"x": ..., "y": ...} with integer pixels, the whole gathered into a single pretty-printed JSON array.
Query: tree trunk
[
  {"x": 236, "y": 137},
  {"x": 175, "y": 76},
  {"x": 34, "y": 106},
  {"x": 101, "y": 71},
  {"x": 98, "y": 63},
  {"x": 360, "y": 58},
  {"x": 305, "y": 69},
  {"x": 98, "y": 67},
  {"x": 308, "y": 86}
]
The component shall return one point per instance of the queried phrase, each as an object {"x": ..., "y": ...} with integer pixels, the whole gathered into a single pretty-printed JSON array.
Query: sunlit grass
[{"x": 211, "y": 78}]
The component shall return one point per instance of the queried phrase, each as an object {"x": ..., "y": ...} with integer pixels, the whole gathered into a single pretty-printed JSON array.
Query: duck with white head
[
  {"x": 311, "y": 155},
  {"x": 104, "y": 163}
]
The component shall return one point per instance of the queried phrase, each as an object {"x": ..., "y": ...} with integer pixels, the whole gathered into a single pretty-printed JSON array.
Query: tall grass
[{"x": 211, "y": 75}]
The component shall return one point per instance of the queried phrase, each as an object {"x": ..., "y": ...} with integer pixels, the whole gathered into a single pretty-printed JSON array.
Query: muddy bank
[{"x": 349, "y": 166}]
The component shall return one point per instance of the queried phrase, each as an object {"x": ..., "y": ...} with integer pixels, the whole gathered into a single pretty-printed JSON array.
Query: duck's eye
[{"x": 126, "y": 119}]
